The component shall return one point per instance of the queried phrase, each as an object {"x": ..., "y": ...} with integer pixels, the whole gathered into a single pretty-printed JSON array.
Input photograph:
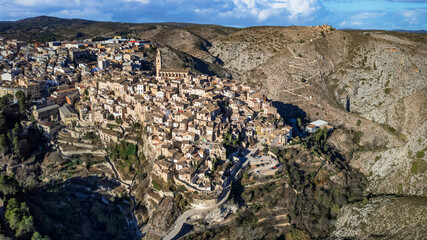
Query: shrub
[
  {"x": 377, "y": 158},
  {"x": 156, "y": 186},
  {"x": 387, "y": 90},
  {"x": 414, "y": 168},
  {"x": 297, "y": 234},
  {"x": 420, "y": 154},
  {"x": 358, "y": 122},
  {"x": 365, "y": 201}
]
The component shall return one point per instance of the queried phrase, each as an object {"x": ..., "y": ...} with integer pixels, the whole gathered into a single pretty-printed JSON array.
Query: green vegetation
[
  {"x": 8, "y": 185},
  {"x": 182, "y": 202},
  {"x": 98, "y": 39},
  {"x": 126, "y": 154},
  {"x": 357, "y": 136},
  {"x": 228, "y": 140},
  {"x": 317, "y": 140},
  {"x": 156, "y": 186},
  {"x": 377, "y": 158},
  {"x": 38, "y": 236},
  {"x": 119, "y": 121},
  {"x": 299, "y": 123},
  {"x": 112, "y": 126},
  {"x": 387, "y": 90},
  {"x": 418, "y": 166},
  {"x": 297, "y": 234},
  {"x": 358, "y": 122},
  {"x": 400, "y": 189},
  {"x": 420, "y": 154},
  {"x": 390, "y": 128},
  {"x": 22, "y": 101},
  {"x": 18, "y": 217},
  {"x": 365, "y": 201},
  {"x": 5, "y": 101}
]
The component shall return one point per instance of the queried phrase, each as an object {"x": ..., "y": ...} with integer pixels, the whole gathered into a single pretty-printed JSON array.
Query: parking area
[{"x": 263, "y": 164}]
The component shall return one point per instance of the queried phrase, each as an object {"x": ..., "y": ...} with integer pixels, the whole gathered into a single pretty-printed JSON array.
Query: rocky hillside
[
  {"x": 370, "y": 85},
  {"x": 367, "y": 82}
]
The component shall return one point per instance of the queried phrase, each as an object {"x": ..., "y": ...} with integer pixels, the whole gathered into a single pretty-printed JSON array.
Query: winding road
[{"x": 179, "y": 223}]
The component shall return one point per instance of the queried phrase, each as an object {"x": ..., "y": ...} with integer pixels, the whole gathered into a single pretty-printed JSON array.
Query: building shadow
[{"x": 289, "y": 111}]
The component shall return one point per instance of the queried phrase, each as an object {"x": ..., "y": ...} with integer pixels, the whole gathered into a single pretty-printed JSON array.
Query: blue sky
[{"x": 365, "y": 14}]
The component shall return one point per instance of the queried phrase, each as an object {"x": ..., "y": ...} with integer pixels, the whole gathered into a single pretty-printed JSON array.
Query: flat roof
[
  {"x": 48, "y": 108},
  {"x": 65, "y": 111},
  {"x": 319, "y": 123}
]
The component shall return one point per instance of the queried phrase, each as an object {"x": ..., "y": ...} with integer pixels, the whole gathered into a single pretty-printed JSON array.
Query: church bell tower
[{"x": 158, "y": 63}]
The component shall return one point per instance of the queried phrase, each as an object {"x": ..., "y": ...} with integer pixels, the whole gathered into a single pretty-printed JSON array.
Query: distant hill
[
  {"x": 394, "y": 30},
  {"x": 44, "y": 28}
]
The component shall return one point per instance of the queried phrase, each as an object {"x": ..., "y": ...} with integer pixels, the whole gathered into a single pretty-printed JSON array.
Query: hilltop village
[
  {"x": 190, "y": 121},
  {"x": 197, "y": 132}
]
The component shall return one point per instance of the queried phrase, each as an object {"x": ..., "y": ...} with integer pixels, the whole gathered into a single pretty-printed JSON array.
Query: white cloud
[
  {"x": 301, "y": 8},
  {"x": 264, "y": 9},
  {"x": 85, "y": 13},
  {"x": 368, "y": 15},
  {"x": 140, "y": 1},
  {"x": 413, "y": 16},
  {"x": 29, "y": 3}
]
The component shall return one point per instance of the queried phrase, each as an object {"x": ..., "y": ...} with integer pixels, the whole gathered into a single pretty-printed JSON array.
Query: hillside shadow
[
  {"x": 81, "y": 208},
  {"x": 289, "y": 111}
]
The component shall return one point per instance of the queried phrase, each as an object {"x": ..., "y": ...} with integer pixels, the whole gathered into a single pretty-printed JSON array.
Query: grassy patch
[
  {"x": 365, "y": 201},
  {"x": 400, "y": 189},
  {"x": 418, "y": 167},
  {"x": 420, "y": 154},
  {"x": 297, "y": 234},
  {"x": 377, "y": 158},
  {"x": 390, "y": 128},
  {"x": 156, "y": 186},
  {"x": 387, "y": 90},
  {"x": 414, "y": 168}
]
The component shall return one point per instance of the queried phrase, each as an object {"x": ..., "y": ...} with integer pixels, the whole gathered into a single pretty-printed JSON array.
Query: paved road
[{"x": 179, "y": 223}]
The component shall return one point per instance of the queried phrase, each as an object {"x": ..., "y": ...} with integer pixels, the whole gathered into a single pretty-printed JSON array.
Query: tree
[
  {"x": 15, "y": 143},
  {"x": 3, "y": 144},
  {"x": 38, "y": 236},
  {"x": 245, "y": 176},
  {"x": 86, "y": 92},
  {"x": 299, "y": 123},
  {"x": 18, "y": 217},
  {"x": 32, "y": 118},
  {"x": 15, "y": 130},
  {"x": 22, "y": 101},
  {"x": 110, "y": 117},
  {"x": 5, "y": 100},
  {"x": 8, "y": 185},
  {"x": 265, "y": 150}
]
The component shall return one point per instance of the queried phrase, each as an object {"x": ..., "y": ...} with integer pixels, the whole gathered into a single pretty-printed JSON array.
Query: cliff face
[
  {"x": 383, "y": 218},
  {"x": 371, "y": 85},
  {"x": 375, "y": 77}
]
